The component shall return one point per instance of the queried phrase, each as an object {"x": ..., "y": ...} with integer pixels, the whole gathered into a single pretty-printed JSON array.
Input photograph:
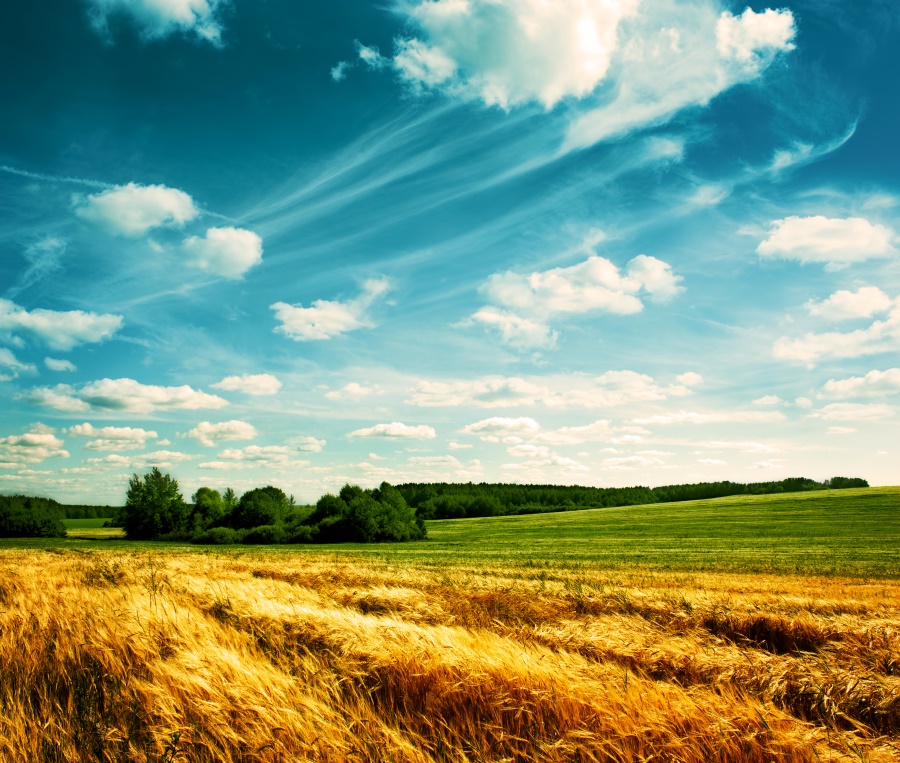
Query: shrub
[
  {"x": 265, "y": 534},
  {"x": 216, "y": 536}
]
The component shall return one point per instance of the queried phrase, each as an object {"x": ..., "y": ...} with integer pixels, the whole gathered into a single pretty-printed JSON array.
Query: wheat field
[{"x": 165, "y": 655}]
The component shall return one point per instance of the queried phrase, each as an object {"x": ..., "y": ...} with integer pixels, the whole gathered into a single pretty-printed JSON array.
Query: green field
[{"x": 837, "y": 532}]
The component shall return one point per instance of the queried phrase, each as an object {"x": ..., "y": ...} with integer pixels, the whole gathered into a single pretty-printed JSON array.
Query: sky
[{"x": 596, "y": 242}]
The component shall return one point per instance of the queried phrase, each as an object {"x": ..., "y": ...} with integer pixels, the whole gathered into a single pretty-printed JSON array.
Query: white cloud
[
  {"x": 112, "y": 438},
  {"x": 500, "y": 426},
  {"x": 595, "y": 285},
  {"x": 720, "y": 417},
  {"x": 160, "y": 18},
  {"x": 352, "y": 391},
  {"x": 516, "y": 331},
  {"x": 132, "y": 210},
  {"x": 509, "y": 52},
  {"x": 12, "y": 364},
  {"x": 125, "y": 395},
  {"x": 327, "y": 319},
  {"x": 55, "y": 364},
  {"x": 261, "y": 455},
  {"x": 33, "y": 447},
  {"x": 854, "y": 412},
  {"x": 208, "y": 433},
  {"x": 307, "y": 444},
  {"x": 881, "y": 336},
  {"x": 768, "y": 400},
  {"x": 598, "y": 431},
  {"x": 844, "y": 305},
  {"x": 747, "y": 36},
  {"x": 833, "y": 241},
  {"x": 371, "y": 56},
  {"x": 676, "y": 55},
  {"x": 873, "y": 384},
  {"x": 611, "y": 389},
  {"x": 841, "y": 430},
  {"x": 435, "y": 461},
  {"x": 60, "y": 330},
  {"x": 396, "y": 430},
  {"x": 250, "y": 384},
  {"x": 339, "y": 71},
  {"x": 226, "y": 252},
  {"x": 689, "y": 379},
  {"x": 744, "y": 447},
  {"x": 163, "y": 459},
  {"x": 711, "y": 461}
]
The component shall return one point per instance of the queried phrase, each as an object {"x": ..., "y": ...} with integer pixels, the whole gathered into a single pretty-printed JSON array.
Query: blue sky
[{"x": 598, "y": 242}]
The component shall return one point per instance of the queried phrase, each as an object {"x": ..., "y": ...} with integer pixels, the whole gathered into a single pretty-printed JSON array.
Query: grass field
[
  {"x": 753, "y": 629},
  {"x": 91, "y": 529}
]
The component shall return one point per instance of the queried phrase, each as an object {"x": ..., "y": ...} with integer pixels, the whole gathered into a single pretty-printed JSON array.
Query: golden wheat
[{"x": 118, "y": 656}]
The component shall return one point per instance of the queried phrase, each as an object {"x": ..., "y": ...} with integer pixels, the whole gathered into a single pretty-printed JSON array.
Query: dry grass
[{"x": 125, "y": 656}]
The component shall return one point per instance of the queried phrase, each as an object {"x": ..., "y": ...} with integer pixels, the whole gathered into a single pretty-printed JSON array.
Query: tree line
[
  {"x": 448, "y": 500},
  {"x": 155, "y": 509}
]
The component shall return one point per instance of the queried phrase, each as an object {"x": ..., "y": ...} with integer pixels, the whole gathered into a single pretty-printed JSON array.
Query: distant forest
[{"x": 445, "y": 500}]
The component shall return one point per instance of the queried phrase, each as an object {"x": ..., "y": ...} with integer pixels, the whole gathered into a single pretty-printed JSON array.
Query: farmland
[{"x": 741, "y": 629}]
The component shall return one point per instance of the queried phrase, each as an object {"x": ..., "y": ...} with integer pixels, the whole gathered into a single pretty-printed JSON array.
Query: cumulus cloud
[
  {"x": 112, "y": 438},
  {"x": 133, "y": 209},
  {"x": 156, "y": 19},
  {"x": 598, "y": 431},
  {"x": 124, "y": 395},
  {"x": 327, "y": 319},
  {"x": 854, "y": 412},
  {"x": 60, "y": 330},
  {"x": 716, "y": 417},
  {"x": 880, "y": 336},
  {"x": 226, "y": 252},
  {"x": 36, "y": 445},
  {"x": 56, "y": 364},
  {"x": 833, "y": 241},
  {"x": 352, "y": 391},
  {"x": 271, "y": 456},
  {"x": 768, "y": 400},
  {"x": 250, "y": 384},
  {"x": 595, "y": 285},
  {"x": 845, "y": 305},
  {"x": 208, "y": 433},
  {"x": 396, "y": 430},
  {"x": 502, "y": 426},
  {"x": 873, "y": 384}
]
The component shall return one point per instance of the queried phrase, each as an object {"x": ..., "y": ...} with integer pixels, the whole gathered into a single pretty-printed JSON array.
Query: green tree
[
  {"x": 153, "y": 506},
  {"x": 261, "y": 506},
  {"x": 208, "y": 509}
]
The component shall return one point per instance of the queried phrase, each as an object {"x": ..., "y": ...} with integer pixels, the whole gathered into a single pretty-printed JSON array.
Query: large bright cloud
[
  {"x": 881, "y": 336},
  {"x": 124, "y": 395},
  {"x": 60, "y": 330},
  {"x": 208, "y": 433},
  {"x": 509, "y": 52},
  {"x": 133, "y": 209},
  {"x": 226, "y": 252},
  {"x": 326, "y": 319},
  {"x": 833, "y": 241},
  {"x": 397, "y": 430},
  {"x": 631, "y": 63},
  {"x": 595, "y": 285},
  {"x": 160, "y": 18},
  {"x": 250, "y": 384},
  {"x": 34, "y": 446}
]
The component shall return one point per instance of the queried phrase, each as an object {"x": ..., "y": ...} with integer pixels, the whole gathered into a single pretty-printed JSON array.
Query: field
[{"x": 752, "y": 629}]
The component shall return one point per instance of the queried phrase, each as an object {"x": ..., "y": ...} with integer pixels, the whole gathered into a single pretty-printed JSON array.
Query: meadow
[{"x": 754, "y": 628}]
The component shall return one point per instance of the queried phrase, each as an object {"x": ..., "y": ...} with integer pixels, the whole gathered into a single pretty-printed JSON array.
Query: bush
[
  {"x": 216, "y": 536},
  {"x": 261, "y": 506},
  {"x": 265, "y": 534}
]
